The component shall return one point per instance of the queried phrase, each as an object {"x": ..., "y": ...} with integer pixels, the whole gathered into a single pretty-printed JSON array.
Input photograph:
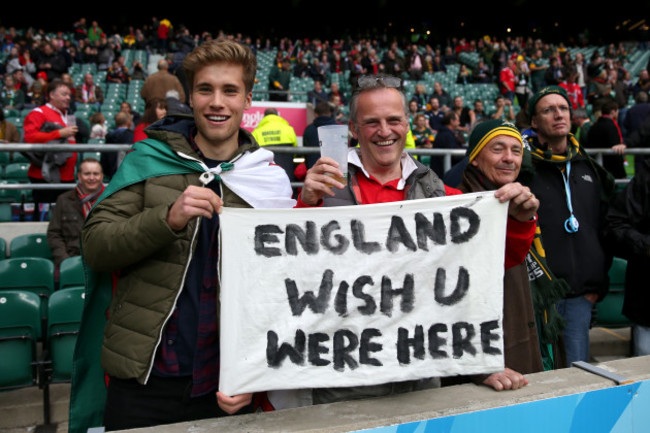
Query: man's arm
[
  {"x": 522, "y": 209},
  {"x": 194, "y": 202},
  {"x": 121, "y": 231},
  {"x": 614, "y": 138},
  {"x": 519, "y": 238},
  {"x": 320, "y": 181},
  {"x": 32, "y": 129},
  {"x": 55, "y": 235}
]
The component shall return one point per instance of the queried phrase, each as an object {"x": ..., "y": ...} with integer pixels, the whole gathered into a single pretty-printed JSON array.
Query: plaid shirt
[{"x": 190, "y": 342}]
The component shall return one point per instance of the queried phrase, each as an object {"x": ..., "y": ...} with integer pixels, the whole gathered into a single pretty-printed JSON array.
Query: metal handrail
[
  {"x": 100, "y": 147},
  {"x": 300, "y": 150}
]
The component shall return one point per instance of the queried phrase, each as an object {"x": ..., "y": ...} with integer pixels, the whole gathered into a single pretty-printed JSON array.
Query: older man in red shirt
[{"x": 380, "y": 171}]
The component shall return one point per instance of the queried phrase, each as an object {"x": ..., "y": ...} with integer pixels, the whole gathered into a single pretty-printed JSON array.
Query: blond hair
[{"x": 221, "y": 51}]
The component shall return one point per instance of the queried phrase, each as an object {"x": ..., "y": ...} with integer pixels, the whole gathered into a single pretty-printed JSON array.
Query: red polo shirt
[
  {"x": 372, "y": 191},
  {"x": 519, "y": 235}
]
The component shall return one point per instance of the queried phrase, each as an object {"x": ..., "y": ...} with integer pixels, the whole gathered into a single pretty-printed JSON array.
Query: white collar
[
  {"x": 62, "y": 114},
  {"x": 407, "y": 163}
]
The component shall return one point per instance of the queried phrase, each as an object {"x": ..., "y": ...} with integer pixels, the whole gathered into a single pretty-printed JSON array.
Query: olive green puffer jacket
[{"x": 127, "y": 234}]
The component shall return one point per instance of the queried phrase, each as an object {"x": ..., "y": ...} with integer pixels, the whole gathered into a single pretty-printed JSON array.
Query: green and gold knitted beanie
[
  {"x": 532, "y": 102},
  {"x": 485, "y": 131}
]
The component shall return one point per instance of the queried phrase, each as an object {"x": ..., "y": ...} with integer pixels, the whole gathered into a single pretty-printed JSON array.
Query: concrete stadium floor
[{"x": 21, "y": 411}]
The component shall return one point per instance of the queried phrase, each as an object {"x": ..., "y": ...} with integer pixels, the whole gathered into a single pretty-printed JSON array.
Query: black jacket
[
  {"x": 64, "y": 228},
  {"x": 629, "y": 231},
  {"x": 109, "y": 160},
  {"x": 581, "y": 258},
  {"x": 445, "y": 139},
  {"x": 604, "y": 134}
]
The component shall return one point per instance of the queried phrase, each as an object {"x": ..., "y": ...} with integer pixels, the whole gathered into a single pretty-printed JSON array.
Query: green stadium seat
[
  {"x": 9, "y": 195},
  {"x": 64, "y": 318},
  {"x": 86, "y": 108},
  {"x": 11, "y": 112},
  {"x": 19, "y": 330},
  {"x": 609, "y": 311},
  {"x": 17, "y": 171},
  {"x": 30, "y": 245},
  {"x": 19, "y": 157},
  {"x": 88, "y": 68},
  {"x": 71, "y": 273},
  {"x": 6, "y": 213},
  {"x": 31, "y": 274}
]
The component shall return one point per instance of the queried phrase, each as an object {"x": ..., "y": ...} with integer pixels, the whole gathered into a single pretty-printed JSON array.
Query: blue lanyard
[{"x": 571, "y": 224}]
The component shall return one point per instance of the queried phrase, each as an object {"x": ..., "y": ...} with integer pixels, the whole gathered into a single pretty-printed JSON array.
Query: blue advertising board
[{"x": 621, "y": 409}]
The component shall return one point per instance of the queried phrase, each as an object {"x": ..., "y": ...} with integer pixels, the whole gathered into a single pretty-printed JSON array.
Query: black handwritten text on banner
[{"x": 361, "y": 295}]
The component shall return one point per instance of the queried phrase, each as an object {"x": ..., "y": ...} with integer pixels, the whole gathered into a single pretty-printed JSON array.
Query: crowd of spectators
[
  {"x": 515, "y": 65},
  {"x": 35, "y": 51}
]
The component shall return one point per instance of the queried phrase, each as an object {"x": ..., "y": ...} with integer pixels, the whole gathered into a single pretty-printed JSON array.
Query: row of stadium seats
[
  {"x": 39, "y": 319},
  {"x": 22, "y": 330},
  {"x": 26, "y": 264},
  {"x": 36, "y": 275},
  {"x": 26, "y": 245},
  {"x": 40, "y": 315},
  {"x": 37, "y": 352}
]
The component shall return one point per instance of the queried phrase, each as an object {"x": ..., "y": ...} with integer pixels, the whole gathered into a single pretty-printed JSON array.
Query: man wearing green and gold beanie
[
  {"x": 573, "y": 190},
  {"x": 495, "y": 154}
]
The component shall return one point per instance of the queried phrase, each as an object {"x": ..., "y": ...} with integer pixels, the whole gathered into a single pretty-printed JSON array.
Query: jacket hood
[{"x": 272, "y": 118}]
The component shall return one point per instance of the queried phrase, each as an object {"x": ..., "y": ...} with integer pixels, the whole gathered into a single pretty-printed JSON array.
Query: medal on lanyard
[{"x": 571, "y": 224}]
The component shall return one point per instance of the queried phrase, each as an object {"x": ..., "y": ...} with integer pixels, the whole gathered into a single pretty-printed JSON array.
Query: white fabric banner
[{"x": 361, "y": 295}]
